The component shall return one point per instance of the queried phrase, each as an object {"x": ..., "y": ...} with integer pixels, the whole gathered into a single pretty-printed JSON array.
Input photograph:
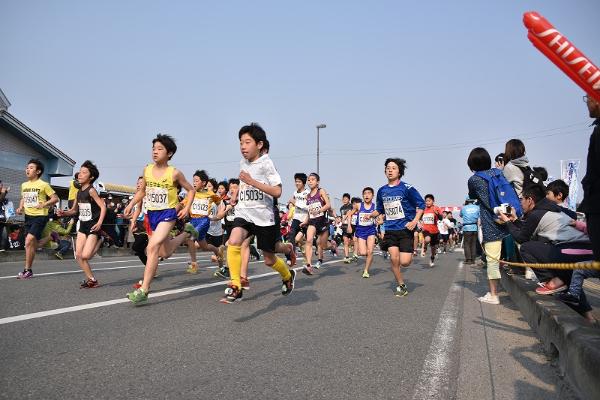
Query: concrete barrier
[{"x": 564, "y": 333}]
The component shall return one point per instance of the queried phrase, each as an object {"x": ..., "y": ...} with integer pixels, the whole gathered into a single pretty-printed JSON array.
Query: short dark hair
[
  {"x": 214, "y": 183},
  {"x": 479, "y": 159},
  {"x": 266, "y": 146},
  {"x": 355, "y": 200},
  {"x": 514, "y": 149},
  {"x": 535, "y": 192},
  {"x": 499, "y": 157},
  {"x": 38, "y": 165},
  {"x": 542, "y": 173},
  {"x": 166, "y": 141},
  {"x": 346, "y": 195},
  {"x": 234, "y": 181},
  {"x": 301, "y": 176},
  {"x": 558, "y": 186},
  {"x": 202, "y": 175},
  {"x": 224, "y": 184},
  {"x": 256, "y": 132},
  {"x": 400, "y": 162},
  {"x": 94, "y": 173},
  {"x": 368, "y": 189},
  {"x": 316, "y": 176},
  {"x": 429, "y": 196}
]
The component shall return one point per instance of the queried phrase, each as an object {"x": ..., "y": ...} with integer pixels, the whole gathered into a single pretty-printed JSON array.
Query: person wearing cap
[{"x": 470, "y": 216}]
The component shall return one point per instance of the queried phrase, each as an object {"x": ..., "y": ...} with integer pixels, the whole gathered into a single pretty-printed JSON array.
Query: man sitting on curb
[{"x": 547, "y": 235}]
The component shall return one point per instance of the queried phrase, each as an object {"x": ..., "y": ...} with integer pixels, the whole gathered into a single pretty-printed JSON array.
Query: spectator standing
[
  {"x": 591, "y": 181},
  {"x": 480, "y": 161},
  {"x": 3, "y": 217},
  {"x": 470, "y": 215}
]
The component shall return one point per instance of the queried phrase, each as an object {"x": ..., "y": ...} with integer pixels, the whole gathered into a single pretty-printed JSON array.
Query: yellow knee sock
[
  {"x": 281, "y": 267},
  {"x": 234, "y": 261}
]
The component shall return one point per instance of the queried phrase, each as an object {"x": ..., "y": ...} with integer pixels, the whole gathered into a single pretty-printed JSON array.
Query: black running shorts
[{"x": 403, "y": 240}]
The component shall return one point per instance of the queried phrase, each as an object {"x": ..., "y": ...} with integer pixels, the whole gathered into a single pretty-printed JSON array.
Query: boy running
[
  {"x": 200, "y": 219},
  {"x": 260, "y": 185},
  {"x": 300, "y": 209},
  {"x": 317, "y": 222},
  {"x": 91, "y": 209},
  {"x": 159, "y": 186},
  {"x": 402, "y": 206},
  {"x": 36, "y": 199},
  {"x": 431, "y": 217}
]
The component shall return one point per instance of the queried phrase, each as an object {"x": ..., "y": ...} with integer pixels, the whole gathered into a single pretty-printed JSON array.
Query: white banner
[{"x": 569, "y": 172}]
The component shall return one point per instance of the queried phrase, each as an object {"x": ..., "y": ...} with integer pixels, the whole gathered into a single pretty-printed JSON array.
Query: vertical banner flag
[{"x": 569, "y": 172}]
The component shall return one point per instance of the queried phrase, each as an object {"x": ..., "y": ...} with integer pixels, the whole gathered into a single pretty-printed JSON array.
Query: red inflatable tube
[{"x": 563, "y": 53}]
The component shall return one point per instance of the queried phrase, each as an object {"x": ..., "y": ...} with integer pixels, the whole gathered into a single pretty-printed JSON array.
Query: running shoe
[
  {"x": 89, "y": 283},
  {"x": 347, "y": 260},
  {"x": 245, "y": 283},
  {"x": 432, "y": 262},
  {"x": 232, "y": 293},
  {"x": 288, "y": 286},
  {"x": 189, "y": 228},
  {"x": 138, "y": 296},
  {"x": 308, "y": 269},
  {"x": 138, "y": 284},
  {"x": 401, "y": 291},
  {"x": 292, "y": 255},
  {"x": 222, "y": 273},
  {"x": 318, "y": 264},
  {"x": 385, "y": 255},
  {"x": 489, "y": 298},
  {"x": 422, "y": 254},
  {"x": 415, "y": 253},
  {"x": 355, "y": 257},
  {"x": 334, "y": 248},
  {"x": 546, "y": 289},
  {"x": 193, "y": 268},
  {"x": 58, "y": 255},
  {"x": 26, "y": 274},
  {"x": 366, "y": 274}
]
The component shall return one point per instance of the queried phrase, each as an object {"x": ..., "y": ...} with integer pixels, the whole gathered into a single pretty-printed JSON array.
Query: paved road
[{"x": 336, "y": 336}]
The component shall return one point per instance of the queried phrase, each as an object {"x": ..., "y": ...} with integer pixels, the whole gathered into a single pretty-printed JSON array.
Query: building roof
[
  {"x": 4, "y": 103},
  {"x": 33, "y": 137}
]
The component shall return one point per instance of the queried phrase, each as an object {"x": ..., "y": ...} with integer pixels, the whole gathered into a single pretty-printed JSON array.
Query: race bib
[
  {"x": 85, "y": 212},
  {"x": 393, "y": 210},
  {"x": 314, "y": 209},
  {"x": 157, "y": 198},
  {"x": 364, "y": 219},
  {"x": 200, "y": 207},
  {"x": 428, "y": 219},
  {"x": 354, "y": 219},
  {"x": 251, "y": 196},
  {"x": 30, "y": 199}
]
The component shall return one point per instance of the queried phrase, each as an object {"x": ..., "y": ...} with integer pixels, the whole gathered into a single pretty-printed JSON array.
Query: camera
[{"x": 503, "y": 208}]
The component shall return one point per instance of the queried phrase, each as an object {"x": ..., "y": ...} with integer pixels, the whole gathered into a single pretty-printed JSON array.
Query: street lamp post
[{"x": 320, "y": 126}]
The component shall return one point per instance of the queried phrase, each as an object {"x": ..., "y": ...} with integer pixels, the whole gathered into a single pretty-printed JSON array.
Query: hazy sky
[{"x": 426, "y": 81}]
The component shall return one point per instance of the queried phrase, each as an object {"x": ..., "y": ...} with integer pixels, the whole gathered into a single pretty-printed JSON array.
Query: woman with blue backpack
[{"x": 492, "y": 192}]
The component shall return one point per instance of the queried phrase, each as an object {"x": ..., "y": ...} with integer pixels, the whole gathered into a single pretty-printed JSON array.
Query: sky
[{"x": 424, "y": 81}]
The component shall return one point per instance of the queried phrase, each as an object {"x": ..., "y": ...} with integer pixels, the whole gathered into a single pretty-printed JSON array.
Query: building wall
[{"x": 14, "y": 155}]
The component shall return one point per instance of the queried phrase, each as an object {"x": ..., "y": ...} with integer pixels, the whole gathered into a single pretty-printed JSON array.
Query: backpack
[
  {"x": 531, "y": 177},
  {"x": 501, "y": 191}
]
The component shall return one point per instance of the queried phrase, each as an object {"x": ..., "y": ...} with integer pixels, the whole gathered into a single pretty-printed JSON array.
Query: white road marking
[
  {"x": 76, "y": 271},
  {"x": 434, "y": 380},
  {"x": 65, "y": 310}
]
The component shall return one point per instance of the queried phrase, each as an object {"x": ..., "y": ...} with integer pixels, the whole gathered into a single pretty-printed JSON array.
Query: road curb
[{"x": 563, "y": 332}]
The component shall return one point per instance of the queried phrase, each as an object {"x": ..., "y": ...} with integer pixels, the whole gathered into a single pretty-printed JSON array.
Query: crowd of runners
[{"x": 226, "y": 219}]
